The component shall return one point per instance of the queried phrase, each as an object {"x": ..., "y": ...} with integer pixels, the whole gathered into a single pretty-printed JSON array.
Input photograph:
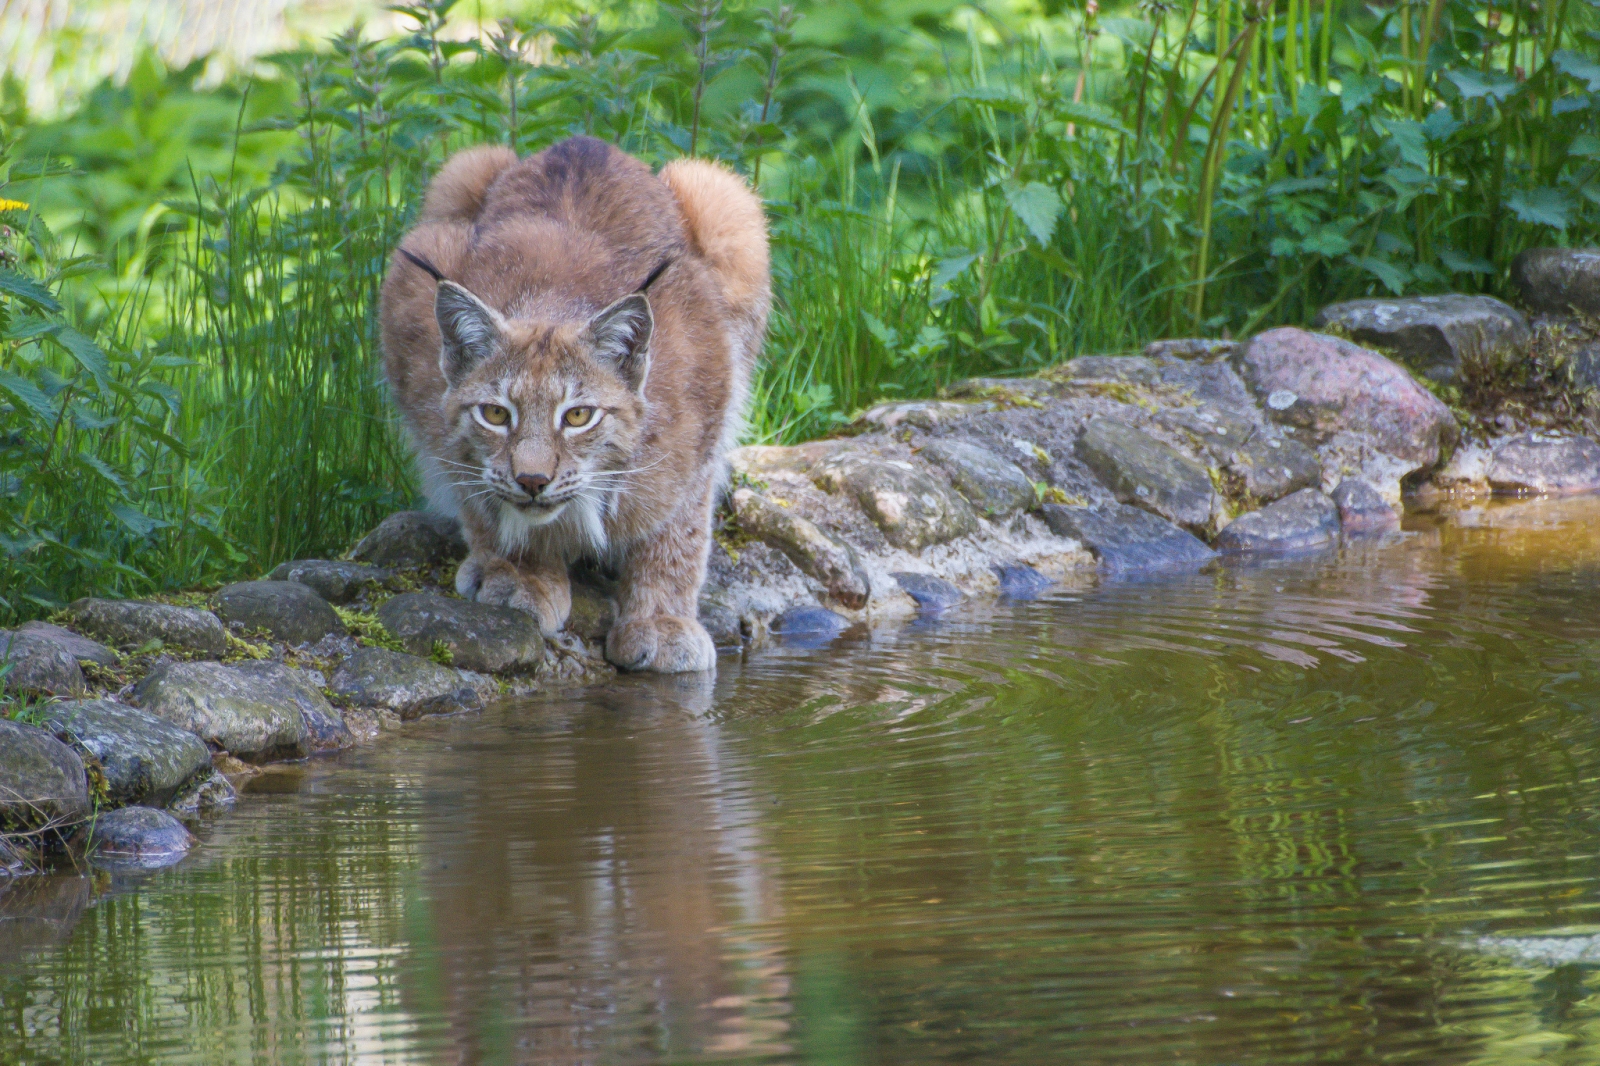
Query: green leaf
[
  {"x": 135, "y": 519},
  {"x": 1394, "y": 278},
  {"x": 86, "y": 352},
  {"x": 29, "y": 291},
  {"x": 875, "y": 326},
  {"x": 1037, "y": 205},
  {"x": 1462, "y": 263},
  {"x": 1327, "y": 241},
  {"x": 1541, "y": 207},
  {"x": 950, "y": 269},
  {"x": 27, "y": 393},
  {"x": 1578, "y": 66},
  {"x": 989, "y": 96},
  {"x": 1089, "y": 115},
  {"x": 1474, "y": 85}
]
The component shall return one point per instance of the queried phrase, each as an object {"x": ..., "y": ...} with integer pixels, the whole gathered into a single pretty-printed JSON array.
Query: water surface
[{"x": 1335, "y": 809}]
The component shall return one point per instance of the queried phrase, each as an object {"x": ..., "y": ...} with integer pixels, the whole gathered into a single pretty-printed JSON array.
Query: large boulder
[
  {"x": 1437, "y": 336},
  {"x": 290, "y": 611},
  {"x": 1534, "y": 463},
  {"x": 996, "y": 486},
  {"x": 37, "y": 665},
  {"x": 1144, "y": 472},
  {"x": 1127, "y": 539},
  {"x": 1266, "y": 469},
  {"x": 1307, "y": 519},
  {"x": 479, "y": 636},
  {"x": 408, "y": 685},
  {"x": 144, "y": 759},
  {"x": 79, "y": 647},
  {"x": 42, "y": 781},
  {"x": 335, "y": 580},
  {"x": 325, "y": 729},
  {"x": 136, "y": 836},
  {"x": 254, "y": 715},
  {"x": 912, "y": 508},
  {"x": 410, "y": 539},
  {"x": 818, "y": 555},
  {"x": 1324, "y": 386},
  {"x": 1559, "y": 279},
  {"x": 921, "y": 414},
  {"x": 932, "y": 594},
  {"x": 135, "y": 623},
  {"x": 1362, "y": 509}
]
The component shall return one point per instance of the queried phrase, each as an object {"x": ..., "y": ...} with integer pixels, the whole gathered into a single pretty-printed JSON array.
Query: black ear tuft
[
  {"x": 621, "y": 338},
  {"x": 468, "y": 330}
]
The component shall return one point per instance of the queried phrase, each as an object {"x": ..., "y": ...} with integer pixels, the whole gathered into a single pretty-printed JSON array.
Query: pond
[{"x": 1340, "y": 808}]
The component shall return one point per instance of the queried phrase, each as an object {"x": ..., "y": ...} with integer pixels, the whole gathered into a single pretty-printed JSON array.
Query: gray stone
[
  {"x": 206, "y": 792},
  {"x": 996, "y": 486},
  {"x": 920, "y": 414},
  {"x": 1127, "y": 539},
  {"x": 335, "y": 580},
  {"x": 479, "y": 636},
  {"x": 135, "y": 836},
  {"x": 1362, "y": 509},
  {"x": 1217, "y": 433},
  {"x": 1020, "y": 581},
  {"x": 1005, "y": 391},
  {"x": 405, "y": 684},
  {"x": 593, "y": 612},
  {"x": 1437, "y": 336},
  {"x": 37, "y": 665},
  {"x": 1190, "y": 348},
  {"x": 144, "y": 759},
  {"x": 1308, "y": 519},
  {"x": 720, "y": 620},
  {"x": 408, "y": 539},
  {"x": 135, "y": 623},
  {"x": 810, "y": 622},
  {"x": 42, "y": 781},
  {"x": 1559, "y": 279},
  {"x": 290, "y": 611},
  {"x": 254, "y": 715},
  {"x": 1547, "y": 465},
  {"x": 1267, "y": 470},
  {"x": 933, "y": 594},
  {"x": 79, "y": 647},
  {"x": 912, "y": 508},
  {"x": 1324, "y": 386},
  {"x": 1583, "y": 365},
  {"x": 1143, "y": 471},
  {"x": 325, "y": 730},
  {"x": 1126, "y": 369},
  {"x": 818, "y": 554}
]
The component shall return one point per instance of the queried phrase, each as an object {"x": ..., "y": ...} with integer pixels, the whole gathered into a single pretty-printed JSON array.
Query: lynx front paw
[
  {"x": 661, "y": 644},
  {"x": 503, "y": 585}
]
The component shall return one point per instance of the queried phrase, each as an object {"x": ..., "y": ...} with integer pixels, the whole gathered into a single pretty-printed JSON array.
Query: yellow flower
[{"x": 12, "y": 205}]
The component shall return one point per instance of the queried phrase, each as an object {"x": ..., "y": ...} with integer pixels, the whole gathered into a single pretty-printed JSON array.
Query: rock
[
  {"x": 720, "y": 620},
  {"x": 1126, "y": 369},
  {"x": 247, "y": 713},
  {"x": 291, "y": 612},
  {"x": 1436, "y": 335},
  {"x": 592, "y": 614},
  {"x": 479, "y": 636},
  {"x": 42, "y": 781},
  {"x": 758, "y": 460},
  {"x": 1583, "y": 365},
  {"x": 205, "y": 792},
  {"x": 80, "y": 648},
  {"x": 1216, "y": 432},
  {"x": 336, "y": 581},
  {"x": 405, "y": 684},
  {"x": 1307, "y": 519},
  {"x": 1536, "y": 463},
  {"x": 1559, "y": 279},
  {"x": 136, "y": 836},
  {"x": 810, "y": 622},
  {"x": 135, "y": 623},
  {"x": 1324, "y": 386},
  {"x": 1142, "y": 471},
  {"x": 408, "y": 539},
  {"x": 144, "y": 759},
  {"x": 913, "y": 510},
  {"x": 1007, "y": 391},
  {"x": 1190, "y": 348},
  {"x": 1268, "y": 470},
  {"x": 1362, "y": 508},
  {"x": 933, "y": 594},
  {"x": 37, "y": 665},
  {"x": 325, "y": 729},
  {"x": 1020, "y": 582},
  {"x": 818, "y": 554},
  {"x": 1126, "y": 538},
  {"x": 996, "y": 486},
  {"x": 923, "y": 414}
]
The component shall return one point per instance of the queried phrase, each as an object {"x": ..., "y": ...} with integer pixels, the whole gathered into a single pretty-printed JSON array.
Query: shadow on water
[{"x": 1337, "y": 808}]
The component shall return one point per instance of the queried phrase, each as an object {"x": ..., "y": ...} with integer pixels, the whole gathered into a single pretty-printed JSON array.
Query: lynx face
[{"x": 545, "y": 416}]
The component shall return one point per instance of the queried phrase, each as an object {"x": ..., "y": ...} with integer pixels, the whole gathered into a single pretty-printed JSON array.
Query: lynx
[{"x": 570, "y": 338}]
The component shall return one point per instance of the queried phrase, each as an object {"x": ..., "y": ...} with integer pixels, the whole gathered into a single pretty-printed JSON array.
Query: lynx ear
[
  {"x": 468, "y": 330},
  {"x": 621, "y": 338}
]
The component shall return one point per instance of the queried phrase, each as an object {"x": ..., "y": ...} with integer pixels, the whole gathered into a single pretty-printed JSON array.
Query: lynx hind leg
[
  {"x": 541, "y": 591},
  {"x": 657, "y": 628}
]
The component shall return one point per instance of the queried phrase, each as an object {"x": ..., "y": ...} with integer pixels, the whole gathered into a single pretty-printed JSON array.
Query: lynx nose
[{"x": 532, "y": 484}]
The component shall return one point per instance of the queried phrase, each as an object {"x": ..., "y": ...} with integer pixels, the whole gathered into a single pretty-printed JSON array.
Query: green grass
[{"x": 189, "y": 382}]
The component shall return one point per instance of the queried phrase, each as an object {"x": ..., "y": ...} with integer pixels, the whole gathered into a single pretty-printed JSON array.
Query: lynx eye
[
  {"x": 577, "y": 416},
  {"x": 494, "y": 414}
]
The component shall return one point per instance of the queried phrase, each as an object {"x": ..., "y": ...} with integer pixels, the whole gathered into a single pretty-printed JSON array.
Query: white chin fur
[{"x": 581, "y": 525}]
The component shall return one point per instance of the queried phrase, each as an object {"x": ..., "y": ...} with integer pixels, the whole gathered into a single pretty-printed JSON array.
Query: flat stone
[
  {"x": 1268, "y": 469},
  {"x": 136, "y": 836},
  {"x": 1324, "y": 386},
  {"x": 291, "y": 612},
  {"x": 325, "y": 729},
  {"x": 1005, "y": 390},
  {"x": 933, "y": 594},
  {"x": 921, "y": 414},
  {"x": 480, "y": 636},
  {"x": 1559, "y": 279},
  {"x": 144, "y": 759},
  {"x": 37, "y": 665},
  {"x": 1144, "y": 472},
  {"x": 335, "y": 580},
  {"x": 1127, "y": 539},
  {"x": 1436, "y": 335},
  {"x": 252, "y": 714},
  {"x": 1362, "y": 508},
  {"x": 1217, "y": 433},
  {"x": 135, "y": 623},
  {"x": 409, "y": 539},
  {"x": 912, "y": 508},
  {"x": 1547, "y": 465},
  {"x": 810, "y": 622},
  {"x": 79, "y": 647},
  {"x": 1127, "y": 369},
  {"x": 206, "y": 792},
  {"x": 758, "y": 460},
  {"x": 1020, "y": 581},
  {"x": 405, "y": 684},
  {"x": 819, "y": 555},
  {"x": 1307, "y": 519},
  {"x": 994, "y": 485},
  {"x": 1190, "y": 348},
  {"x": 42, "y": 781}
]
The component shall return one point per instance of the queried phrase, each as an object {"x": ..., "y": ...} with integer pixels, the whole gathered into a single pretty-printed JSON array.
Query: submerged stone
[
  {"x": 135, "y": 623},
  {"x": 408, "y": 539},
  {"x": 136, "y": 836},
  {"x": 255, "y": 715},
  {"x": 996, "y": 486},
  {"x": 42, "y": 781},
  {"x": 1362, "y": 509},
  {"x": 818, "y": 554},
  {"x": 1143, "y": 471},
  {"x": 933, "y": 594},
  {"x": 405, "y": 684},
  {"x": 335, "y": 580},
  {"x": 479, "y": 636},
  {"x": 1535, "y": 463},
  {"x": 1559, "y": 279},
  {"x": 913, "y": 510},
  {"x": 810, "y": 622},
  {"x": 1307, "y": 519},
  {"x": 144, "y": 759},
  {"x": 291, "y": 612},
  {"x": 1436, "y": 335},
  {"x": 1020, "y": 582},
  {"x": 1127, "y": 539},
  {"x": 206, "y": 792},
  {"x": 1268, "y": 470}
]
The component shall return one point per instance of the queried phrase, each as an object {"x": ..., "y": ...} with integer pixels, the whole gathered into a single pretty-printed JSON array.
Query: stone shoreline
[{"x": 147, "y": 712}]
